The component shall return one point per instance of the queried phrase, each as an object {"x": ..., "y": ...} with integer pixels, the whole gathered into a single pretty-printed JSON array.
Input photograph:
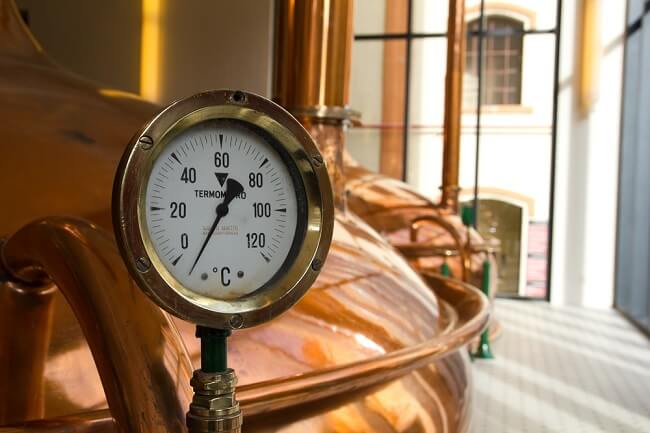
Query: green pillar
[
  {"x": 214, "y": 349},
  {"x": 484, "y": 351},
  {"x": 445, "y": 270},
  {"x": 467, "y": 215}
]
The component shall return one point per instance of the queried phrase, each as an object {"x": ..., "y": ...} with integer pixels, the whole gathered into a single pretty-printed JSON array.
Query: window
[{"x": 502, "y": 49}]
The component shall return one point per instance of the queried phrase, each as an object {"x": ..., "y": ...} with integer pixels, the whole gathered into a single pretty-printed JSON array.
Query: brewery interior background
[{"x": 555, "y": 149}]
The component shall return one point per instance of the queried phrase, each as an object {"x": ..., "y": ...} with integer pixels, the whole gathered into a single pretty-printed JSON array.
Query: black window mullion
[
  {"x": 479, "y": 103},
  {"x": 407, "y": 88}
]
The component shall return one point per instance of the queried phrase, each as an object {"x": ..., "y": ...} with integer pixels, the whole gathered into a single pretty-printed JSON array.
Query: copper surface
[
  {"x": 453, "y": 102},
  {"x": 26, "y": 310},
  {"x": 369, "y": 349},
  {"x": 392, "y": 208},
  {"x": 140, "y": 357},
  {"x": 313, "y": 46},
  {"x": 332, "y": 345},
  {"x": 330, "y": 364}
]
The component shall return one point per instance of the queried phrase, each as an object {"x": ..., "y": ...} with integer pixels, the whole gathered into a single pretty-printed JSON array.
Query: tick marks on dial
[
  {"x": 176, "y": 158},
  {"x": 265, "y": 258},
  {"x": 154, "y": 208},
  {"x": 221, "y": 140},
  {"x": 264, "y": 162},
  {"x": 281, "y": 210},
  {"x": 176, "y": 260}
]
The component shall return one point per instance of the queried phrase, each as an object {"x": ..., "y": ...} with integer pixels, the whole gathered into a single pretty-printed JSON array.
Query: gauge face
[{"x": 224, "y": 209}]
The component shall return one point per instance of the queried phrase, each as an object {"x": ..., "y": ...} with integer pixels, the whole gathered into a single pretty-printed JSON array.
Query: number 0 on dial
[{"x": 223, "y": 209}]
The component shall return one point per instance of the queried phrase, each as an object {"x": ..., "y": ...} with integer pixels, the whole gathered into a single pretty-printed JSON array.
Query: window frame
[
  {"x": 508, "y": 33},
  {"x": 530, "y": 28}
]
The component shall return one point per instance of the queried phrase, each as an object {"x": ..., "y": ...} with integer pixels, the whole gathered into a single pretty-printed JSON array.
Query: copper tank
[
  {"x": 369, "y": 349},
  {"x": 312, "y": 80}
]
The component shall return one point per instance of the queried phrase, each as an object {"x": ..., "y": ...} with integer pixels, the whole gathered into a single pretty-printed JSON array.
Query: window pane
[
  {"x": 634, "y": 10},
  {"x": 427, "y": 99},
  {"x": 430, "y": 16},
  {"x": 426, "y": 114},
  {"x": 424, "y": 163},
  {"x": 380, "y": 16},
  {"x": 364, "y": 145},
  {"x": 378, "y": 91}
]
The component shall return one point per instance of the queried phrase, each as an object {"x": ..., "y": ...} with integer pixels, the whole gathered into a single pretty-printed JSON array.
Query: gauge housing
[{"x": 133, "y": 238}]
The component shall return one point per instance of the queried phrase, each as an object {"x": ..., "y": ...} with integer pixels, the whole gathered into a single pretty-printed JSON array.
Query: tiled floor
[{"x": 563, "y": 370}]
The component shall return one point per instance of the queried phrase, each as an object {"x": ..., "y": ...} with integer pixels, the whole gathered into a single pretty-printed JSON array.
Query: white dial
[{"x": 222, "y": 209}]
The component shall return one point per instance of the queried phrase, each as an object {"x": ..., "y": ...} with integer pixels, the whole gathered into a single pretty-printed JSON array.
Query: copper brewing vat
[
  {"x": 369, "y": 349},
  {"x": 429, "y": 233},
  {"x": 312, "y": 80}
]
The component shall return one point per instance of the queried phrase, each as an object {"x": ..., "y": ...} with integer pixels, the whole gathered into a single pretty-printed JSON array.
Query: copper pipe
[
  {"x": 99, "y": 421},
  {"x": 453, "y": 102},
  {"x": 463, "y": 251},
  {"x": 473, "y": 316},
  {"x": 143, "y": 364},
  {"x": 314, "y": 388},
  {"x": 313, "y": 48},
  {"x": 25, "y": 326}
]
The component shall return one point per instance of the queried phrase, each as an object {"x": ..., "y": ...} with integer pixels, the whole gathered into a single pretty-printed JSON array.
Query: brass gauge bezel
[{"x": 129, "y": 216}]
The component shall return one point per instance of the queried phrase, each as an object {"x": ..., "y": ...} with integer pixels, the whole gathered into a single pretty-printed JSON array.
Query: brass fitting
[{"x": 214, "y": 407}]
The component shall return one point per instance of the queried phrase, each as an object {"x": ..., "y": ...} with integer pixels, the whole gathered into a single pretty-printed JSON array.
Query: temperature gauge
[{"x": 223, "y": 209}]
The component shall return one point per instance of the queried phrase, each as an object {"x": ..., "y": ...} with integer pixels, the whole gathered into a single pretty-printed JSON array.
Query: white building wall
[{"x": 587, "y": 168}]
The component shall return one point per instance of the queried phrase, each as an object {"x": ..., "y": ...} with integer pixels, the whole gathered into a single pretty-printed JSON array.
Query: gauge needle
[{"x": 233, "y": 189}]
